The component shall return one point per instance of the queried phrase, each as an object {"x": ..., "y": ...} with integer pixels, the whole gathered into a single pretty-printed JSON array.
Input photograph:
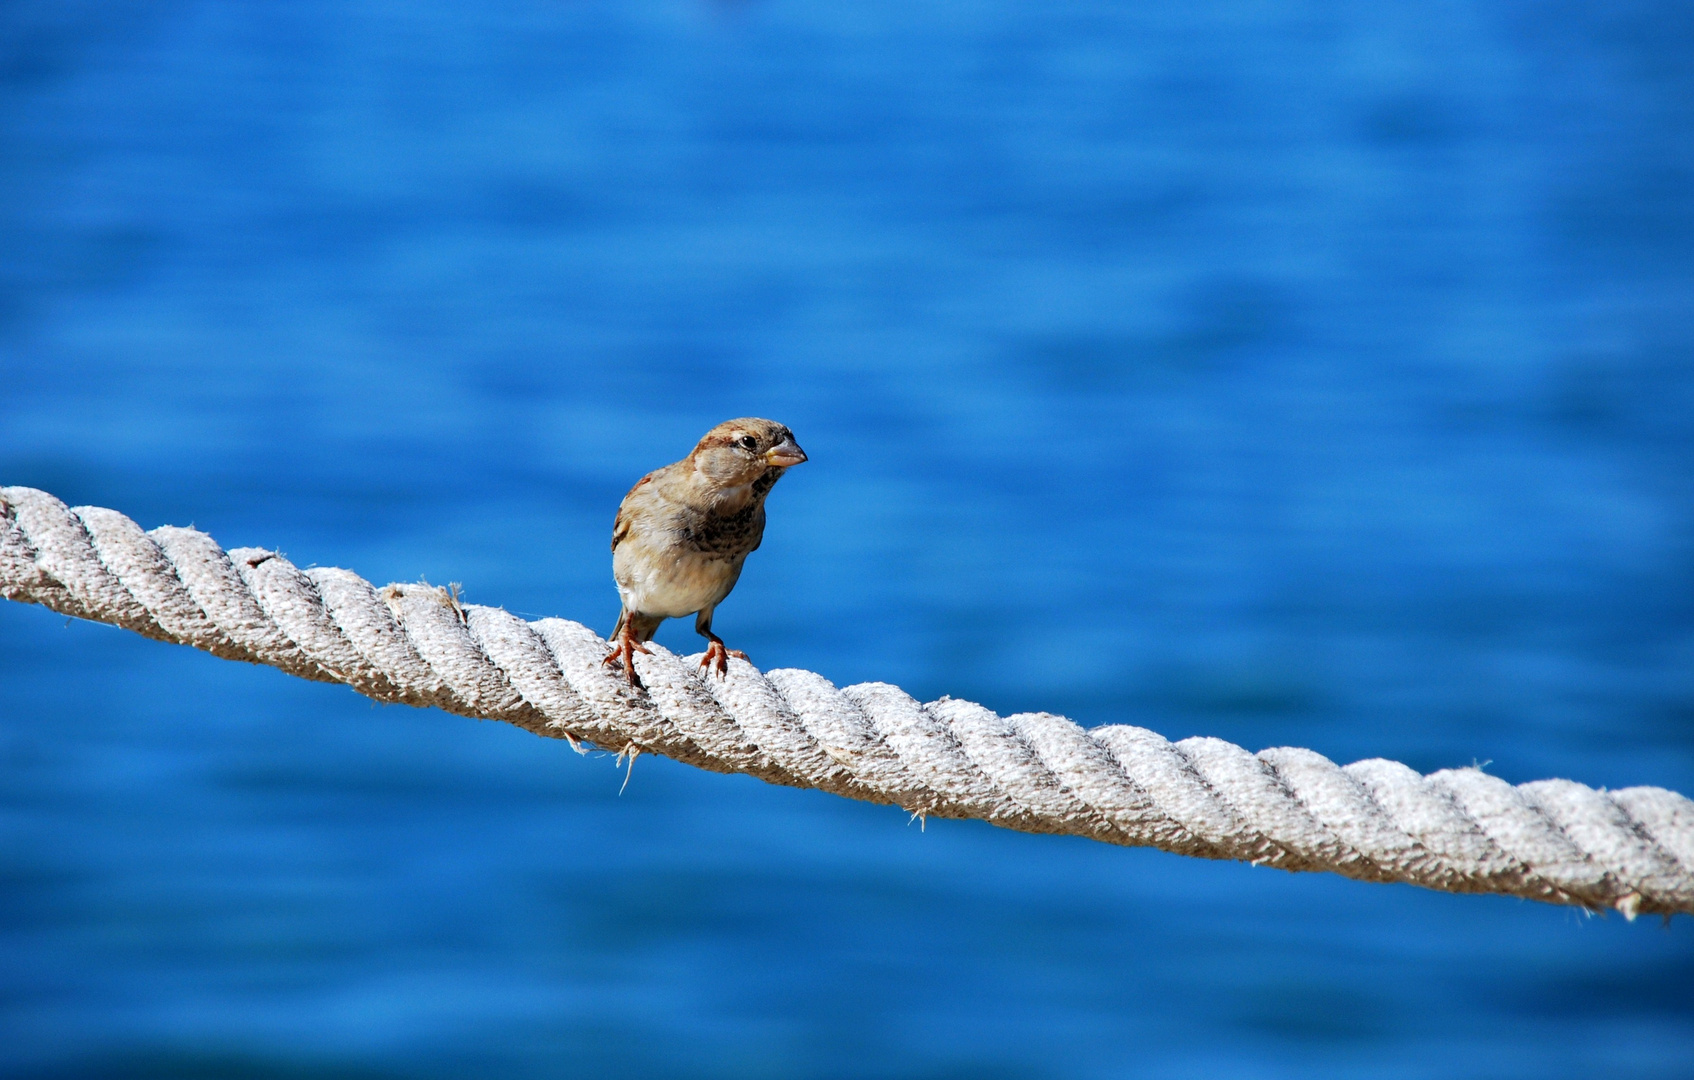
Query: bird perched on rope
[{"x": 683, "y": 532}]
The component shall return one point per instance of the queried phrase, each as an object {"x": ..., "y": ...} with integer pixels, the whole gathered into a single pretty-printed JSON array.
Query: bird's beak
[{"x": 785, "y": 453}]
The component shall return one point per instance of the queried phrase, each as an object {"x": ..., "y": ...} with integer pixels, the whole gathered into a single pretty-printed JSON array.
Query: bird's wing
[{"x": 626, "y": 513}]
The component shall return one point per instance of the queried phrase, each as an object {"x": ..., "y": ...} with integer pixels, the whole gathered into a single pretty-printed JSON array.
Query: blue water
[{"x": 1302, "y": 374}]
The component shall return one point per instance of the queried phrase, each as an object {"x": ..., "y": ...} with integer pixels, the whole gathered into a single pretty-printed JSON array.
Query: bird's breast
[{"x": 672, "y": 581}]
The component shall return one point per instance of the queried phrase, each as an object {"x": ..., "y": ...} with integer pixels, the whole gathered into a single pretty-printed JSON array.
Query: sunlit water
[{"x": 1302, "y": 375}]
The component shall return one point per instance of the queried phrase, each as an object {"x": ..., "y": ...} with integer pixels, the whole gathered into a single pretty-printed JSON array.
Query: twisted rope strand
[{"x": 1459, "y": 830}]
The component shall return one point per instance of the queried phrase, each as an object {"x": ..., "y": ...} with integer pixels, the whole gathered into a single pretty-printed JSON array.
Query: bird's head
[{"x": 738, "y": 452}]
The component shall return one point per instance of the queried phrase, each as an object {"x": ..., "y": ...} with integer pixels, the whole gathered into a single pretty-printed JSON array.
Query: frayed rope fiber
[{"x": 1458, "y": 830}]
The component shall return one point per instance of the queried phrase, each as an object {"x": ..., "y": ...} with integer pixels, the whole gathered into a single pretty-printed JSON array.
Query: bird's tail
[{"x": 641, "y": 627}]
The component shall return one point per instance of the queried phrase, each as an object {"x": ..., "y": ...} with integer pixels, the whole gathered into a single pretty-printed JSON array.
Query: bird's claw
[
  {"x": 717, "y": 656},
  {"x": 623, "y": 654}
]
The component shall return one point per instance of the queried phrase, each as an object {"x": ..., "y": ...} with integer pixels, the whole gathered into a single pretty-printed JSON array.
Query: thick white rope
[{"x": 1459, "y": 830}]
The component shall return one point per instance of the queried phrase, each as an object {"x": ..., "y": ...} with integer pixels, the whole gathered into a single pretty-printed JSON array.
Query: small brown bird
[{"x": 683, "y": 532}]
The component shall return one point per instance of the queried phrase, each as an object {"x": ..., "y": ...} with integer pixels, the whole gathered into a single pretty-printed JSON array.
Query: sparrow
[{"x": 683, "y": 531}]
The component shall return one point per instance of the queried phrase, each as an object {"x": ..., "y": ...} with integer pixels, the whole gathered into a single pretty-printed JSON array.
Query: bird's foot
[
  {"x": 623, "y": 653},
  {"x": 717, "y": 656}
]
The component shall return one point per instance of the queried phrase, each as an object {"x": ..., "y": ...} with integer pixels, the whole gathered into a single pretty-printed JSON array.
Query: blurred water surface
[{"x": 1313, "y": 374}]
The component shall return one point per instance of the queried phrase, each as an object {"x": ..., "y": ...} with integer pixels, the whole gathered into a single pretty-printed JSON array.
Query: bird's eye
[{"x": 749, "y": 442}]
